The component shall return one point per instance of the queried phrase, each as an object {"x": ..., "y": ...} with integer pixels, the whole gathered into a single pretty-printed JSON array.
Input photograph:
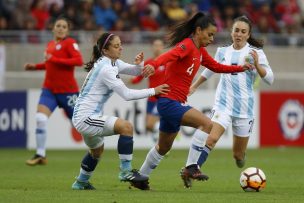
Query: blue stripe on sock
[
  {"x": 40, "y": 131},
  {"x": 204, "y": 155},
  {"x": 197, "y": 148}
]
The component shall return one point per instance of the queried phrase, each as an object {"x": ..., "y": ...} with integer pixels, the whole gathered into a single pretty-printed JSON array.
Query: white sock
[
  {"x": 198, "y": 142},
  {"x": 41, "y": 120},
  {"x": 156, "y": 127},
  {"x": 152, "y": 160}
]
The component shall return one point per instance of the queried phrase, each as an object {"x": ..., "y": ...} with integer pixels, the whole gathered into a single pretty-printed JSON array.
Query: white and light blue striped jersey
[
  {"x": 101, "y": 82},
  {"x": 234, "y": 93}
]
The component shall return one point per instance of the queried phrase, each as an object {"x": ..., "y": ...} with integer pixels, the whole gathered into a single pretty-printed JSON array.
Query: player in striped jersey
[
  {"x": 89, "y": 119},
  {"x": 234, "y": 99}
]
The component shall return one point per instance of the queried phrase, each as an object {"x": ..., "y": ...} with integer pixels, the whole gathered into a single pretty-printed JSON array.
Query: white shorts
[
  {"x": 94, "y": 128},
  {"x": 241, "y": 127}
]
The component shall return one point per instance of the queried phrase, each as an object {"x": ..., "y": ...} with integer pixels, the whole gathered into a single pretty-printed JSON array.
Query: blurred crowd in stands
[{"x": 268, "y": 16}]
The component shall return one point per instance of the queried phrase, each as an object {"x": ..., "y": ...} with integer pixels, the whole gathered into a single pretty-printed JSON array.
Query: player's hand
[
  {"x": 248, "y": 66},
  {"x": 29, "y": 66},
  {"x": 148, "y": 70},
  {"x": 255, "y": 57},
  {"x": 162, "y": 89},
  {"x": 191, "y": 90},
  {"x": 139, "y": 58},
  {"x": 47, "y": 57}
]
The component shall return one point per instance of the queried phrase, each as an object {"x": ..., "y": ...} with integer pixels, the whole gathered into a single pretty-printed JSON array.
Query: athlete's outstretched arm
[
  {"x": 129, "y": 69},
  {"x": 213, "y": 65},
  {"x": 262, "y": 66},
  {"x": 132, "y": 94}
]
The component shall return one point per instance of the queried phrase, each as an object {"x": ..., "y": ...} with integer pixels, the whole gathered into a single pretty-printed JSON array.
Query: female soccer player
[
  {"x": 234, "y": 97},
  {"x": 152, "y": 116},
  {"x": 60, "y": 87},
  {"x": 88, "y": 118},
  {"x": 182, "y": 62}
]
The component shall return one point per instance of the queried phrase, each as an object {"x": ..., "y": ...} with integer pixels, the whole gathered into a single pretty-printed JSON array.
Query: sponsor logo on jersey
[
  {"x": 183, "y": 46},
  {"x": 291, "y": 117}
]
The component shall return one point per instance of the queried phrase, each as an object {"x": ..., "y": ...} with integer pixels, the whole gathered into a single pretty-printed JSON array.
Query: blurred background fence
[{"x": 285, "y": 55}]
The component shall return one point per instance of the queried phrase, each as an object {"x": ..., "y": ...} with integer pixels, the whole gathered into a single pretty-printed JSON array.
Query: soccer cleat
[
  {"x": 77, "y": 185},
  {"x": 132, "y": 176},
  {"x": 192, "y": 172},
  {"x": 241, "y": 163},
  {"x": 36, "y": 160},
  {"x": 135, "y": 178},
  {"x": 142, "y": 185}
]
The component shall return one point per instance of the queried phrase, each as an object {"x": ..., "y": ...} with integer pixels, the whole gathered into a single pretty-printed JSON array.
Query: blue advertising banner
[{"x": 13, "y": 119}]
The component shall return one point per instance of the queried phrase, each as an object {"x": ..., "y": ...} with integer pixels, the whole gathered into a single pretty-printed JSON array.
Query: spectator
[
  {"x": 265, "y": 20},
  {"x": 174, "y": 12},
  {"x": 104, "y": 14},
  {"x": 40, "y": 13},
  {"x": 21, "y": 13},
  {"x": 147, "y": 22}
]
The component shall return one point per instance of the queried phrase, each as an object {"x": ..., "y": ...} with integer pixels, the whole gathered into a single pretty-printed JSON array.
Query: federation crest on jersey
[
  {"x": 291, "y": 117},
  {"x": 161, "y": 68},
  {"x": 58, "y": 46}
]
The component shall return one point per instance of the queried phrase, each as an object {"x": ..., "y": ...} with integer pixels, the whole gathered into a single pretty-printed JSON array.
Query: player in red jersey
[
  {"x": 182, "y": 62},
  {"x": 60, "y": 87},
  {"x": 152, "y": 116}
]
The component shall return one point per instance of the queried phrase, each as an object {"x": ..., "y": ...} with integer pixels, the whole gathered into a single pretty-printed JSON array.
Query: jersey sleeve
[
  {"x": 129, "y": 69},
  {"x": 40, "y": 66},
  {"x": 213, "y": 65},
  {"x": 132, "y": 94},
  {"x": 208, "y": 73},
  {"x": 137, "y": 79},
  {"x": 111, "y": 77},
  {"x": 269, "y": 77},
  {"x": 75, "y": 58},
  {"x": 178, "y": 52}
]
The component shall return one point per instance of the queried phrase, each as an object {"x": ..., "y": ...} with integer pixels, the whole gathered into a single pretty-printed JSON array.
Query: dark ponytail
[
  {"x": 252, "y": 41},
  {"x": 103, "y": 42},
  {"x": 186, "y": 28}
]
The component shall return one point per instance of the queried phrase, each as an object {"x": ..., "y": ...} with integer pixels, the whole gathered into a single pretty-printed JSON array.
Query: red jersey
[
  {"x": 59, "y": 76},
  {"x": 182, "y": 63},
  {"x": 154, "y": 80}
]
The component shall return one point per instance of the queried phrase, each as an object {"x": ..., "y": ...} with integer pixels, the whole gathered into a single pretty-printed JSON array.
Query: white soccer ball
[{"x": 253, "y": 179}]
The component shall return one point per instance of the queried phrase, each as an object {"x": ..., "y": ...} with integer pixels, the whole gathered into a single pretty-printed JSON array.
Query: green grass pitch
[{"x": 284, "y": 169}]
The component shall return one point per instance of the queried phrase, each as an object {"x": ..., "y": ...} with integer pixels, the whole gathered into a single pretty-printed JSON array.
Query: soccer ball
[{"x": 253, "y": 179}]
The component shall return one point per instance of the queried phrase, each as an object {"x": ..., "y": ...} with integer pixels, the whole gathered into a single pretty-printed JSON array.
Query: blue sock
[
  {"x": 88, "y": 165},
  {"x": 83, "y": 177},
  {"x": 125, "y": 151},
  {"x": 204, "y": 155}
]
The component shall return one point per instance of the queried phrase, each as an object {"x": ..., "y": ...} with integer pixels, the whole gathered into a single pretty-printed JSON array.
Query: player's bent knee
[
  {"x": 41, "y": 120},
  {"x": 127, "y": 129},
  {"x": 96, "y": 153}
]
